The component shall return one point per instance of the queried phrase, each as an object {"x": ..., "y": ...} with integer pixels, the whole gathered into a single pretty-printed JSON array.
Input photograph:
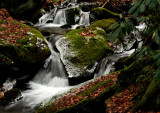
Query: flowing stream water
[
  {"x": 52, "y": 80},
  {"x": 53, "y": 20}
]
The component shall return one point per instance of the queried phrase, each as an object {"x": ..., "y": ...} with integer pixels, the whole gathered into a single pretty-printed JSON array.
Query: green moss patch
[
  {"x": 21, "y": 43},
  {"x": 104, "y": 24},
  {"x": 88, "y": 49}
]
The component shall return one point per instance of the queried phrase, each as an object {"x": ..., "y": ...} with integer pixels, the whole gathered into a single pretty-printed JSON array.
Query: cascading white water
[
  {"x": 53, "y": 70},
  {"x": 8, "y": 85},
  {"x": 60, "y": 17},
  {"x": 48, "y": 16},
  {"x": 106, "y": 64},
  {"x": 84, "y": 18},
  {"x": 48, "y": 82}
]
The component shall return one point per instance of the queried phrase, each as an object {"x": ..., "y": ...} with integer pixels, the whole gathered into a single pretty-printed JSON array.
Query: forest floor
[{"x": 10, "y": 30}]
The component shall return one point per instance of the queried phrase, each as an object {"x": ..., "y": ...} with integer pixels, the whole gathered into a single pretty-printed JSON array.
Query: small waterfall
[
  {"x": 48, "y": 82},
  {"x": 57, "y": 17},
  {"x": 60, "y": 17},
  {"x": 53, "y": 70},
  {"x": 47, "y": 17},
  {"x": 106, "y": 64},
  {"x": 83, "y": 21},
  {"x": 84, "y": 18}
]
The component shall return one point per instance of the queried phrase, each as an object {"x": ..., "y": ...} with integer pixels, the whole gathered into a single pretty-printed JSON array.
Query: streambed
[{"x": 51, "y": 80}]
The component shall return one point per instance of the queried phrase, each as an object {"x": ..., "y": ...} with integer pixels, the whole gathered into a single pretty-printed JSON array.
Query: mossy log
[{"x": 100, "y": 13}]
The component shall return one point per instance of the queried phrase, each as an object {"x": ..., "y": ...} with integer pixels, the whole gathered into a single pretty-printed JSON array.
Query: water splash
[{"x": 8, "y": 85}]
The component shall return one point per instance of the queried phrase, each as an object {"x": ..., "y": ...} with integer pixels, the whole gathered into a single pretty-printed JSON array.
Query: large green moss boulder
[
  {"x": 30, "y": 48},
  {"x": 22, "y": 9},
  {"x": 104, "y": 24},
  {"x": 22, "y": 48},
  {"x": 100, "y": 13},
  {"x": 80, "y": 50}
]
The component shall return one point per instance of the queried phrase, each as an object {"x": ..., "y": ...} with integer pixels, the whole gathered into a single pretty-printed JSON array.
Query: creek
[{"x": 52, "y": 80}]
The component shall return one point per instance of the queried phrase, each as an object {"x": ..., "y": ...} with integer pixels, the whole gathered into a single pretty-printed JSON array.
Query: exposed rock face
[
  {"x": 22, "y": 9},
  {"x": 81, "y": 49}
]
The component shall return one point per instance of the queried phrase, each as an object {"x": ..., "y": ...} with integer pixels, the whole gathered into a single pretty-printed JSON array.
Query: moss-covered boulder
[
  {"x": 30, "y": 48},
  {"x": 104, "y": 24},
  {"x": 22, "y": 9},
  {"x": 80, "y": 49},
  {"x": 22, "y": 48},
  {"x": 100, "y": 13}
]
